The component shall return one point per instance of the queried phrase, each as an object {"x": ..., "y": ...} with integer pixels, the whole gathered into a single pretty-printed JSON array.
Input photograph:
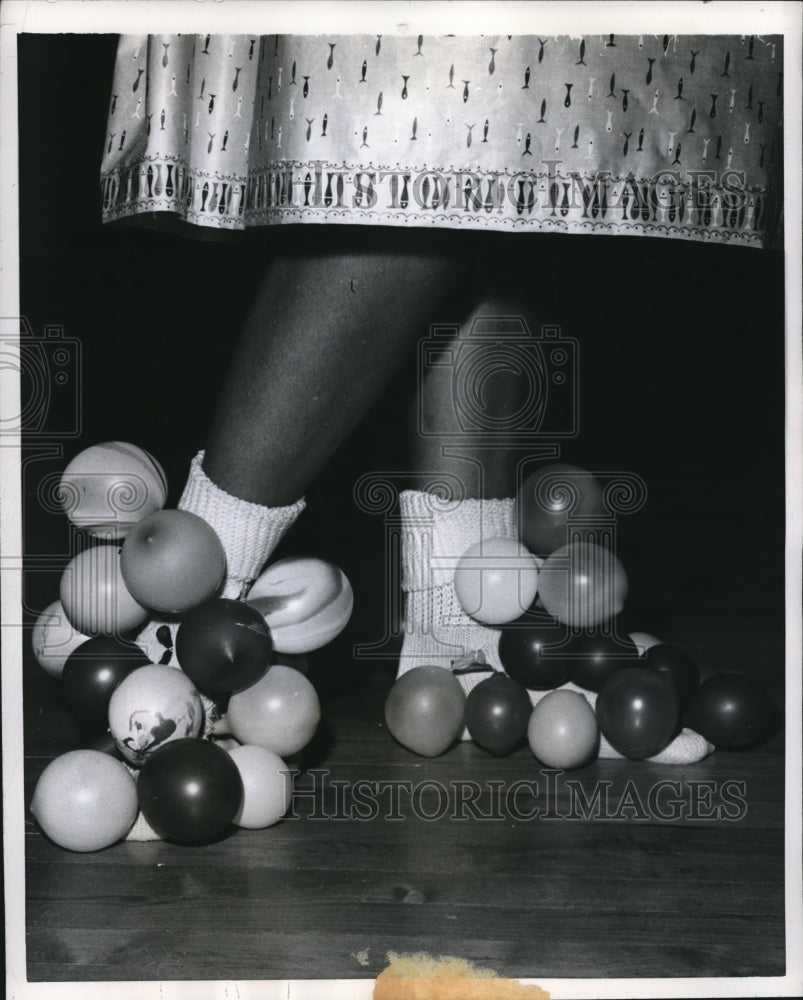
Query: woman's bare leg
[
  {"x": 325, "y": 335},
  {"x": 483, "y": 403},
  {"x": 500, "y": 388}
]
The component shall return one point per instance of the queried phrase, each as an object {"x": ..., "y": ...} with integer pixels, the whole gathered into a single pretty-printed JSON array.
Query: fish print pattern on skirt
[{"x": 675, "y": 136}]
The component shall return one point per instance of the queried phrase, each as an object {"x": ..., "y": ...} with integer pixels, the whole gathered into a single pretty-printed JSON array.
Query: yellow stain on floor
[{"x": 424, "y": 977}]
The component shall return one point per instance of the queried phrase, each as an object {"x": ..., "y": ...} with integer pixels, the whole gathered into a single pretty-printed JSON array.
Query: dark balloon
[
  {"x": 189, "y": 791},
  {"x": 638, "y": 711},
  {"x": 497, "y": 713},
  {"x": 597, "y": 657},
  {"x": 91, "y": 673},
  {"x": 677, "y": 662},
  {"x": 223, "y": 646},
  {"x": 545, "y": 505},
  {"x": 732, "y": 711},
  {"x": 532, "y": 655}
]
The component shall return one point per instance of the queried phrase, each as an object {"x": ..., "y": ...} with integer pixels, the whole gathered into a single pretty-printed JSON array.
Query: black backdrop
[{"x": 681, "y": 375}]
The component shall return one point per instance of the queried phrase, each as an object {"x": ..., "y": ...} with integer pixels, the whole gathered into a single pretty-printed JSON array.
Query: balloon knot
[{"x": 474, "y": 662}]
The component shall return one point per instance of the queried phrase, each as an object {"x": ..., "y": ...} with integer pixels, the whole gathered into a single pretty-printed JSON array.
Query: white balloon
[
  {"x": 54, "y": 637},
  {"x": 280, "y": 712},
  {"x": 496, "y": 580},
  {"x": 85, "y": 800},
  {"x": 267, "y": 786},
  {"x": 152, "y": 706},
  {"x": 563, "y": 730},
  {"x": 108, "y": 487},
  {"x": 94, "y": 595},
  {"x": 306, "y": 603}
]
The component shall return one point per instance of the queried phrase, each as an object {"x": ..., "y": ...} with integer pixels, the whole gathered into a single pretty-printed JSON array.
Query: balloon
[
  {"x": 95, "y": 597},
  {"x": 732, "y": 711},
  {"x": 548, "y": 498},
  {"x": 534, "y": 656},
  {"x": 109, "y": 487},
  {"x": 638, "y": 711},
  {"x": 678, "y": 663},
  {"x": 496, "y": 580},
  {"x": 53, "y": 638},
  {"x": 267, "y": 786},
  {"x": 563, "y": 730},
  {"x": 599, "y": 656},
  {"x": 280, "y": 712},
  {"x": 91, "y": 674},
  {"x": 85, "y": 800},
  {"x": 643, "y": 641},
  {"x": 189, "y": 791},
  {"x": 172, "y": 560},
  {"x": 425, "y": 710},
  {"x": 223, "y": 645},
  {"x": 497, "y": 712},
  {"x": 306, "y": 603},
  {"x": 582, "y": 585},
  {"x": 152, "y": 706}
]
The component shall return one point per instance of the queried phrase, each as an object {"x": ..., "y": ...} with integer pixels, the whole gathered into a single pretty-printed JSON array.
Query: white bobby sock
[
  {"x": 435, "y": 534},
  {"x": 249, "y": 533}
]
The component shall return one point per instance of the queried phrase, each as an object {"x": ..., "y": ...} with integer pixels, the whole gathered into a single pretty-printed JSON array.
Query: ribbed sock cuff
[
  {"x": 436, "y": 533},
  {"x": 249, "y": 532}
]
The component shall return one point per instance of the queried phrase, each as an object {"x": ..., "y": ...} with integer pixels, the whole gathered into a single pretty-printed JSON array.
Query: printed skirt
[{"x": 673, "y": 136}]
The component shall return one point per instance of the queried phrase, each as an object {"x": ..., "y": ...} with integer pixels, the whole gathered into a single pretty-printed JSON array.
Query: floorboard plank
[{"x": 543, "y": 884}]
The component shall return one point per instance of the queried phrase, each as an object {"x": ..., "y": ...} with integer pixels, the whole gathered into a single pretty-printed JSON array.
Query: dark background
[{"x": 681, "y": 351}]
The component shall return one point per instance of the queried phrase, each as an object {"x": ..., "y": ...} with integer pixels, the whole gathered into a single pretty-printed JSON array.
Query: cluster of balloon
[
  {"x": 582, "y": 584},
  {"x": 556, "y": 597},
  {"x": 189, "y": 783}
]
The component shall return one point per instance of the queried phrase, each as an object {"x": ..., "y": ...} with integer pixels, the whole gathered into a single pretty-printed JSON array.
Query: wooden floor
[{"x": 324, "y": 896}]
